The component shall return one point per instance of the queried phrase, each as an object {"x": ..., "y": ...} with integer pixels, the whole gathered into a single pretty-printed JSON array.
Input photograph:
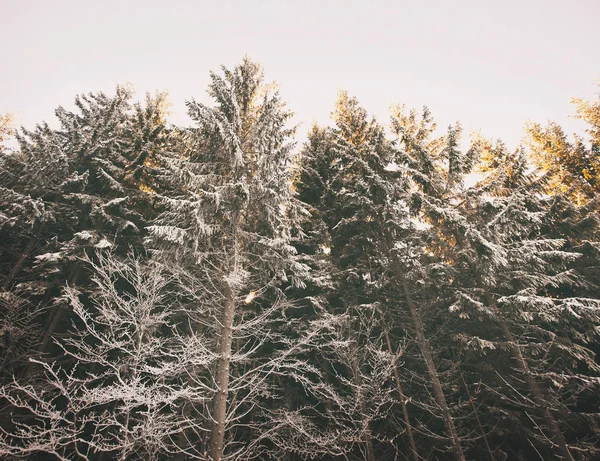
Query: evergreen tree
[
  {"x": 204, "y": 293},
  {"x": 227, "y": 230},
  {"x": 68, "y": 190},
  {"x": 573, "y": 167},
  {"x": 507, "y": 273},
  {"x": 418, "y": 157},
  {"x": 364, "y": 204}
]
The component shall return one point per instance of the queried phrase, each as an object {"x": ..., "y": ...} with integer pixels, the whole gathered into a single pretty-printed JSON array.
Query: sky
[{"x": 491, "y": 65}]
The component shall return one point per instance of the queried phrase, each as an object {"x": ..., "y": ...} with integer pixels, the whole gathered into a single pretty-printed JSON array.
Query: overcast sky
[{"x": 492, "y": 65}]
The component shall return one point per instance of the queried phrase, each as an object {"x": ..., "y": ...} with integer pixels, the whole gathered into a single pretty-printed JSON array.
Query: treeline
[{"x": 218, "y": 292}]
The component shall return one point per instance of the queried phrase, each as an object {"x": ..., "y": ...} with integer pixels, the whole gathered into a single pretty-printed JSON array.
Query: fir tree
[{"x": 71, "y": 189}]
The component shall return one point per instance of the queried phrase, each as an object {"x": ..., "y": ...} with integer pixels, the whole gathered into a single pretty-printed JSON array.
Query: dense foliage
[{"x": 213, "y": 292}]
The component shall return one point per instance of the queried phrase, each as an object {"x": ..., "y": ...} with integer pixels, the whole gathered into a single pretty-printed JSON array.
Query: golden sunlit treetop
[
  {"x": 6, "y": 126},
  {"x": 572, "y": 166},
  {"x": 590, "y": 113},
  {"x": 351, "y": 119}
]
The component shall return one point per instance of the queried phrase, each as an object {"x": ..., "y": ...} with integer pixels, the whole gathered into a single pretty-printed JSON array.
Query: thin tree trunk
[
  {"x": 132, "y": 376},
  {"x": 368, "y": 439},
  {"x": 12, "y": 275},
  {"x": 533, "y": 386},
  {"x": 182, "y": 437},
  {"x": 52, "y": 326},
  {"x": 326, "y": 374},
  {"x": 217, "y": 436},
  {"x": 423, "y": 344},
  {"x": 409, "y": 431},
  {"x": 487, "y": 445}
]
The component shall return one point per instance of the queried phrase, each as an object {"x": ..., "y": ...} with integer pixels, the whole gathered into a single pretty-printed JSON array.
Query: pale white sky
[{"x": 490, "y": 64}]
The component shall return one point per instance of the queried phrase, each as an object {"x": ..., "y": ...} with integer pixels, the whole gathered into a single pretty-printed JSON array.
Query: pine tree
[
  {"x": 353, "y": 186},
  {"x": 418, "y": 156},
  {"x": 204, "y": 293}
]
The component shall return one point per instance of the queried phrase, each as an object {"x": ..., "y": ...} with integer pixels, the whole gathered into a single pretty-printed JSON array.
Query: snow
[
  {"x": 49, "y": 257},
  {"x": 420, "y": 225},
  {"x": 325, "y": 249},
  {"x": 84, "y": 235},
  {"x": 392, "y": 166},
  {"x": 103, "y": 244}
]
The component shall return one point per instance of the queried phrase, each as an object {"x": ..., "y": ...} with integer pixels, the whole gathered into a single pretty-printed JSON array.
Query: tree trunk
[
  {"x": 368, "y": 439},
  {"x": 409, "y": 431},
  {"x": 326, "y": 373},
  {"x": 472, "y": 403},
  {"x": 182, "y": 437},
  {"x": 52, "y": 325},
  {"x": 217, "y": 436},
  {"x": 12, "y": 275},
  {"x": 423, "y": 344},
  {"x": 533, "y": 386}
]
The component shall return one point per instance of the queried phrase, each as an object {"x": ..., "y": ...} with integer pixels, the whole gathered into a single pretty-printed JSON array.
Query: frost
[
  {"x": 116, "y": 202},
  {"x": 237, "y": 278},
  {"x": 168, "y": 233}
]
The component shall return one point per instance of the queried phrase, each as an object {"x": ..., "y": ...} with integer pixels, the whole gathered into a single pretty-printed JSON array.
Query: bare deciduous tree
[{"x": 119, "y": 386}]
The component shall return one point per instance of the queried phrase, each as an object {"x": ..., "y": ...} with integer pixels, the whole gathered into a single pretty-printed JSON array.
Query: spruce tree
[
  {"x": 84, "y": 185},
  {"x": 417, "y": 156},
  {"x": 506, "y": 276},
  {"x": 573, "y": 167},
  {"x": 355, "y": 187},
  {"x": 226, "y": 229}
]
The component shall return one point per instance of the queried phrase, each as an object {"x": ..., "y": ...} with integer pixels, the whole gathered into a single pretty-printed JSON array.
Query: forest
[{"x": 221, "y": 291}]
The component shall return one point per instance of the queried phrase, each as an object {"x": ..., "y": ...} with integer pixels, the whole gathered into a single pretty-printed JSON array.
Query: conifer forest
[{"x": 240, "y": 289}]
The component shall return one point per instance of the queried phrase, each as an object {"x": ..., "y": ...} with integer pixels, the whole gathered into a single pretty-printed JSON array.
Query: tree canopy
[{"x": 220, "y": 292}]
